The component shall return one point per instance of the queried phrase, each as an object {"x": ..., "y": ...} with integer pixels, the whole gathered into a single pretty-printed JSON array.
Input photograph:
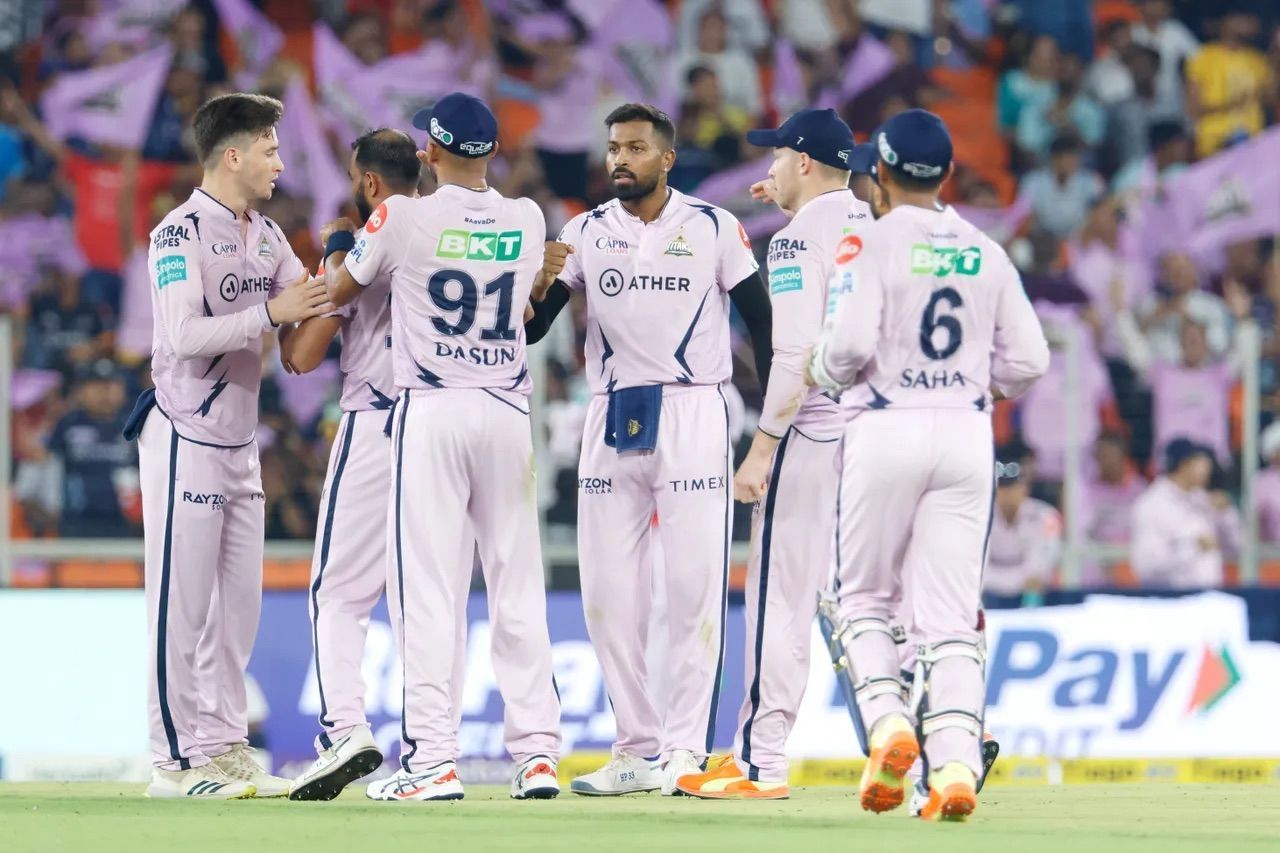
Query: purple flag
[
  {"x": 788, "y": 92},
  {"x": 870, "y": 62},
  {"x": 309, "y": 167},
  {"x": 998, "y": 223},
  {"x": 355, "y": 97},
  {"x": 730, "y": 188},
  {"x": 638, "y": 62},
  {"x": 1232, "y": 196},
  {"x": 111, "y": 105},
  {"x": 256, "y": 37}
]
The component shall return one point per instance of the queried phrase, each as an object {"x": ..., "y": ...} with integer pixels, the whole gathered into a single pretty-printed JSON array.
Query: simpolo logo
[
  {"x": 1217, "y": 677},
  {"x": 480, "y": 245},
  {"x": 169, "y": 269}
]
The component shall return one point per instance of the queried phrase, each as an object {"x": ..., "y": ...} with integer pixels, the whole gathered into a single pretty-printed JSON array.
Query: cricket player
[
  {"x": 659, "y": 270},
  {"x": 791, "y": 472},
  {"x": 933, "y": 325},
  {"x": 348, "y": 569},
  {"x": 462, "y": 262},
  {"x": 222, "y": 276}
]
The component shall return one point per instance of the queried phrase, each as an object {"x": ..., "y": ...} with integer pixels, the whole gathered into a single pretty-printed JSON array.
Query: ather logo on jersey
[
  {"x": 945, "y": 260},
  {"x": 480, "y": 245}
]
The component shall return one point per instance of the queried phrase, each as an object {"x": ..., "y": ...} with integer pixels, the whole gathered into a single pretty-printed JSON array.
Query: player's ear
[{"x": 668, "y": 159}]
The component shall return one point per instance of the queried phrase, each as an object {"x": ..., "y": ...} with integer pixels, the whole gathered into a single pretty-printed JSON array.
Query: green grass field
[{"x": 1099, "y": 819}]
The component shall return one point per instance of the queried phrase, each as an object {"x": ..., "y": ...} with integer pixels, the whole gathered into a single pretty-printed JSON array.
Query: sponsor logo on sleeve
[
  {"x": 480, "y": 245},
  {"x": 785, "y": 280},
  {"x": 945, "y": 260},
  {"x": 169, "y": 269},
  {"x": 168, "y": 236},
  {"x": 850, "y": 247},
  {"x": 742, "y": 235},
  {"x": 357, "y": 251},
  {"x": 376, "y": 220}
]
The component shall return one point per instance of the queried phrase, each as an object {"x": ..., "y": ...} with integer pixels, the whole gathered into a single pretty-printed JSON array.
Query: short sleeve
[
  {"x": 571, "y": 234},
  {"x": 734, "y": 259},
  {"x": 377, "y": 250}
]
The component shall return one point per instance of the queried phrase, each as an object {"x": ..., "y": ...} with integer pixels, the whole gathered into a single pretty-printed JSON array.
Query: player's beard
[
  {"x": 638, "y": 189},
  {"x": 363, "y": 207}
]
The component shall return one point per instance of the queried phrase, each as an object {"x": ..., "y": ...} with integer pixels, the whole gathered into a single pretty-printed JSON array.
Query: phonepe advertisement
[{"x": 1113, "y": 677}]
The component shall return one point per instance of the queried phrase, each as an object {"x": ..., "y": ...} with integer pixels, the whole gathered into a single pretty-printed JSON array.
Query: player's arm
[
  {"x": 176, "y": 277},
  {"x": 351, "y": 264},
  {"x": 797, "y": 291},
  {"x": 739, "y": 275},
  {"x": 304, "y": 348},
  {"x": 1021, "y": 352},
  {"x": 850, "y": 340},
  {"x": 544, "y": 312},
  {"x": 561, "y": 273}
]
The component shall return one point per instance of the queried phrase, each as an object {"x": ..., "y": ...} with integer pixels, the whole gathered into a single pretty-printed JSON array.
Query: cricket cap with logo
[
  {"x": 916, "y": 144},
  {"x": 460, "y": 124},
  {"x": 819, "y": 133}
]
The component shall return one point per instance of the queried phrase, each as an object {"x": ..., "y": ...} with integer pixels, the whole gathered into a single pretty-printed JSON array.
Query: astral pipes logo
[{"x": 1218, "y": 676}]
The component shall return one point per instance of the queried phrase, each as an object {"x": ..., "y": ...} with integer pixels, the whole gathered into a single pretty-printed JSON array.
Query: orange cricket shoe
[
  {"x": 952, "y": 793},
  {"x": 723, "y": 780},
  {"x": 894, "y": 749}
]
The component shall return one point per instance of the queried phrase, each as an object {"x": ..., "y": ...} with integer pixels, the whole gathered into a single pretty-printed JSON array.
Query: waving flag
[
  {"x": 870, "y": 62},
  {"x": 257, "y": 39},
  {"x": 110, "y": 105},
  {"x": 309, "y": 167},
  {"x": 788, "y": 91}
]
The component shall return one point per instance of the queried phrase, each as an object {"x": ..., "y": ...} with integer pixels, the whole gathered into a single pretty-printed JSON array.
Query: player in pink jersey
[
  {"x": 934, "y": 321},
  {"x": 659, "y": 270},
  {"x": 461, "y": 262},
  {"x": 221, "y": 277},
  {"x": 349, "y": 569},
  {"x": 792, "y": 470}
]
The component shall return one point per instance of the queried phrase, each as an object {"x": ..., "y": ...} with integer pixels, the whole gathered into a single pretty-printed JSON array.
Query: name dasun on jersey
[
  {"x": 168, "y": 236},
  {"x": 488, "y": 356}
]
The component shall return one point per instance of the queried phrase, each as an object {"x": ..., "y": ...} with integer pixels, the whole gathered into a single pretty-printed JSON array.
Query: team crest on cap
[
  {"x": 886, "y": 153},
  {"x": 679, "y": 247},
  {"x": 438, "y": 131},
  {"x": 476, "y": 148}
]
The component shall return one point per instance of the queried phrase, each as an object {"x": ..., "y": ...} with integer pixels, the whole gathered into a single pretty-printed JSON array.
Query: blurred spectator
[
  {"x": 807, "y": 24},
  {"x": 193, "y": 48},
  {"x": 169, "y": 138},
  {"x": 1071, "y": 111},
  {"x": 1169, "y": 145},
  {"x": 567, "y": 75},
  {"x": 1181, "y": 531},
  {"x": 59, "y": 330},
  {"x": 1133, "y": 121},
  {"x": 1190, "y": 394},
  {"x": 1228, "y": 83},
  {"x": 745, "y": 25},
  {"x": 1060, "y": 194},
  {"x": 903, "y": 87},
  {"x": 1070, "y": 22},
  {"x": 1167, "y": 37},
  {"x": 733, "y": 64},
  {"x": 1026, "y": 535},
  {"x": 711, "y": 124},
  {"x": 1106, "y": 504},
  {"x": 1034, "y": 82},
  {"x": 90, "y": 478},
  {"x": 1177, "y": 296},
  {"x": 365, "y": 35},
  {"x": 1267, "y": 485},
  {"x": 1109, "y": 79}
]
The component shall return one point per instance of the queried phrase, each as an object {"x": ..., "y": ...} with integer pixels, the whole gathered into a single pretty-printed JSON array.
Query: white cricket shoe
[
  {"x": 206, "y": 782},
  {"x": 536, "y": 780},
  {"x": 438, "y": 783},
  {"x": 626, "y": 774},
  {"x": 350, "y": 757},
  {"x": 681, "y": 763},
  {"x": 239, "y": 764},
  {"x": 919, "y": 798}
]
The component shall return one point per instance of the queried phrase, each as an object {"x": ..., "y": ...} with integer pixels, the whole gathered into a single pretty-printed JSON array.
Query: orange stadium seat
[{"x": 88, "y": 574}]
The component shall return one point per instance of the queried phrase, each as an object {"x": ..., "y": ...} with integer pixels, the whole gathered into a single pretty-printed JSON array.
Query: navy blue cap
[
  {"x": 863, "y": 159},
  {"x": 915, "y": 143},
  {"x": 819, "y": 133},
  {"x": 461, "y": 124},
  {"x": 1180, "y": 450}
]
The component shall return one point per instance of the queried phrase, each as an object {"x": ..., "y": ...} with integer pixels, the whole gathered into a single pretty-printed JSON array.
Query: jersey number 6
[
  {"x": 465, "y": 304},
  {"x": 931, "y": 322}
]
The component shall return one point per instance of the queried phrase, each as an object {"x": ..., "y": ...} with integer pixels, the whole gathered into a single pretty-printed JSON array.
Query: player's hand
[
  {"x": 342, "y": 223},
  {"x": 554, "y": 257},
  {"x": 751, "y": 481},
  {"x": 302, "y": 300},
  {"x": 767, "y": 190}
]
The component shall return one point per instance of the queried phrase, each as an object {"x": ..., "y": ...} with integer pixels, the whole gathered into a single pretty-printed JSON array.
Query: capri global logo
[
  {"x": 1218, "y": 676},
  {"x": 480, "y": 245}
]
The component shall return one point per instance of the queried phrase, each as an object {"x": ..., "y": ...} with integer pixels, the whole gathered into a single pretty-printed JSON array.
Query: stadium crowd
[{"x": 1068, "y": 117}]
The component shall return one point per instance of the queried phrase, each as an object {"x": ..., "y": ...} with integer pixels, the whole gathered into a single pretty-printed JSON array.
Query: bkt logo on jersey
[
  {"x": 1122, "y": 686},
  {"x": 480, "y": 245},
  {"x": 945, "y": 260}
]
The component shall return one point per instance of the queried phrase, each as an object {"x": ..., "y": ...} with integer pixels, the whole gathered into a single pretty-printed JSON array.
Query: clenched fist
[
  {"x": 554, "y": 257},
  {"x": 342, "y": 223}
]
